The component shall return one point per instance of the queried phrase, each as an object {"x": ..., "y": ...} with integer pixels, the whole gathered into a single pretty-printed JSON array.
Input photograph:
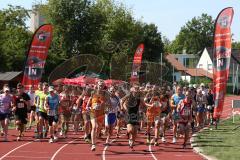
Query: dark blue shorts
[
  {"x": 201, "y": 109},
  {"x": 110, "y": 119},
  {"x": 4, "y": 116}
]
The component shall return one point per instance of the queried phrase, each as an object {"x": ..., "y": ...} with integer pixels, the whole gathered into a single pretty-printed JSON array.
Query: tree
[
  {"x": 235, "y": 45},
  {"x": 14, "y": 38},
  {"x": 154, "y": 46},
  {"x": 76, "y": 26},
  {"x": 195, "y": 35}
]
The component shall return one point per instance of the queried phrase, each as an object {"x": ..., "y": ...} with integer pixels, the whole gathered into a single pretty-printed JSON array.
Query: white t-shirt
[
  {"x": 32, "y": 98},
  {"x": 114, "y": 105}
]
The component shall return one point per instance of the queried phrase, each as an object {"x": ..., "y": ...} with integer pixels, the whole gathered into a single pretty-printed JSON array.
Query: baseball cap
[{"x": 51, "y": 88}]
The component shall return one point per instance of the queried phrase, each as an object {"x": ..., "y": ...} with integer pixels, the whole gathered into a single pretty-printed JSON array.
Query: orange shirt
[
  {"x": 96, "y": 102},
  {"x": 155, "y": 109}
]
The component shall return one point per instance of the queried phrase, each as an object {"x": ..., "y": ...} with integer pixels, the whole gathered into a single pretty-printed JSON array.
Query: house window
[{"x": 186, "y": 62}]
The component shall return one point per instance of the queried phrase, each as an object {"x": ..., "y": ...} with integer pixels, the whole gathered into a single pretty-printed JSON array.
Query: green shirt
[
  {"x": 42, "y": 98},
  {"x": 36, "y": 98}
]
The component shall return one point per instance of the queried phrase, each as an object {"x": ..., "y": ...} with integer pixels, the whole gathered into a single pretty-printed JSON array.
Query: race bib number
[
  {"x": 52, "y": 112},
  {"x": 20, "y": 105},
  {"x": 156, "y": 104},
  {"x": 111, "y": 110}
]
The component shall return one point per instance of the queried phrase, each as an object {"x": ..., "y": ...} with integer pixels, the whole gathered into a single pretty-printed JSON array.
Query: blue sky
[{"x": 168, "y": 15}]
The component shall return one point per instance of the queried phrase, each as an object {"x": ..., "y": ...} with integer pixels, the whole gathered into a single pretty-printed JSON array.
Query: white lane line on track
[
  {"x": 55, "y": 154},
  {"x": 150, "y": 150},
  {"x": 14, "y": 150},
  {"x": 33, "y": 152},
  {"x": 105, "y": 148}
]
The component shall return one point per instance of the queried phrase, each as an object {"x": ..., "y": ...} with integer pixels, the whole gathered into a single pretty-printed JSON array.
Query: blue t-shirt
[
  {"x": 53, "y": 102},
  {"x": 178, "y": 98}
]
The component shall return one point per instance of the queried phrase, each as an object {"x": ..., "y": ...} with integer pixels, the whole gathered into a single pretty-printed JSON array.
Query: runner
[
  {"x": 175, "y": 99},
  {"x": 194, "y": 107},
  {"x": 32, "y": 110},
  {"x": 76, "y": 112},
  {"x": 210, "y": 107},
  {"x": 21, "y": 106},
  {"x": 201, "y": 103},
  {"x": 120, "y": 115},
  {"x": 42, "y": 113},
  {"x": 6, "y": 103},
  {"x": 153, "y": 116},
  {"x": 185, "y": 112},
  {"x": 65, "y": 110},
  {"x": 36, "y": 103},
  {"x": 111, "y": 115},
  {"x": 100, "y": 102},
  {"x": 85, "y": 102},
  {"x": 131, "y": 104},
  {"x": 51, "y": 105},
  {"x": 164, "y": 115}
]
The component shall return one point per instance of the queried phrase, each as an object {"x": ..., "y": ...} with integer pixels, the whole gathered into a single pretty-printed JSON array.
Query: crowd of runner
[{"x": 105, "y": 111}]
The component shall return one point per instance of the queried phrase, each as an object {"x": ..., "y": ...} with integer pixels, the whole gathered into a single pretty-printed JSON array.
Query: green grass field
[{"x": 222, "y": 143}]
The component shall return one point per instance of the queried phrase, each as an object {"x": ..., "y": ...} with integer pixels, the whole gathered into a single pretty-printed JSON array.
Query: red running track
[{"x": 74, "y": 148}]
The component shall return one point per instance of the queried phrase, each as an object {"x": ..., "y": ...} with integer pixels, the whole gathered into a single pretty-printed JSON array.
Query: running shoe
[
  {"x": 18, "y": 138},
  {"x": 93, "y": 147},
  {"x": 130, "y": 142},
  {"x": 55, "y": 138},
  {"x": 50, "y": 140},
  {"x": 156, "y": 144},
  {"x": 87, "y": 140},
  {"x": 163, "y": 139},
  {"x": 174, "y": 140}
]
